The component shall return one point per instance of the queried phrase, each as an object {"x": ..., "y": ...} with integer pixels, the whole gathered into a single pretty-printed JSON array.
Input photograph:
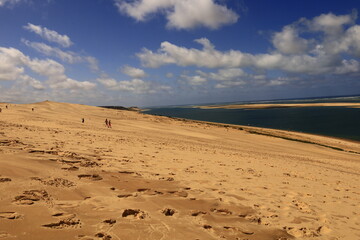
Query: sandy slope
[{"x": 160, "y": 178}]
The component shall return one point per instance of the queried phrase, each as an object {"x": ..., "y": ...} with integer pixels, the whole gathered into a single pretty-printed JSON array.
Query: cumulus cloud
[
  {"x": 288, "y": 41},
  {"x": 65, "y": 56},
  {"x": 180, "y": 14},
  {"x": 230, "y": 84},
  {"x": 332, "y": 48},
  {"x": 133, "y": 72},
  {"x": 34, "y": 83},
  {"x": 229, "y": 74},
  {"x": 330, "y": 24},
  {"x": 107, "y": 82},
  {"x": 194, "y": 80},
  {"x": 49, "y": 35},
  {"x": 134, "y": 86},
  {"x": 12, "y": 68},
  {"x": 11, "y": 63}
]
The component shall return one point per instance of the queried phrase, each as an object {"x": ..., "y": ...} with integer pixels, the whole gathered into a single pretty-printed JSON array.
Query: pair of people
[{"x": 108, "y": 123}]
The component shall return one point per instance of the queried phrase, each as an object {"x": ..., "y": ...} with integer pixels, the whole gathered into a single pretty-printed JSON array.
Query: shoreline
[
  {"x": 279, "y": 105},
  {"x": 272, "y": 132},
  {"x": 245, "y": 126}
]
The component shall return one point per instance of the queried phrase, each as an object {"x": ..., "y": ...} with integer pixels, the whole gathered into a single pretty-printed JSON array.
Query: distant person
[
  {"x": 32, "y": 109},
  {"x": 109, "y": 123},
  {"x": 6, "y": 107},
  {"x": 0, "y": 109},
  {"x": 106, "y": 123},
  {"x": 82, "y": 120}
]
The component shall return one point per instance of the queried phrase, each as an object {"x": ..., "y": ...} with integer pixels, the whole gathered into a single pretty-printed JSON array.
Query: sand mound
[{"x": 152, "y": 177}]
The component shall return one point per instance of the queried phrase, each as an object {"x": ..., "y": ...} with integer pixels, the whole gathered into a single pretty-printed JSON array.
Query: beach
[{"x": 153, "y": 177}]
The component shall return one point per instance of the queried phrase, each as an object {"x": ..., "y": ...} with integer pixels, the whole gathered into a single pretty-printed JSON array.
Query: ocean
[{"x": 339, "y": 122}]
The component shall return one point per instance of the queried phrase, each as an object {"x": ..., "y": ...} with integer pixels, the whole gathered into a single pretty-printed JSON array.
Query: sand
[
  {"x": 281, "y": 105},
  {"x": 151, "y": 177}
]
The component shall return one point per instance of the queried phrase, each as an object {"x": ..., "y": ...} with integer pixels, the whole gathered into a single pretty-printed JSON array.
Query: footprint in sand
[
  {"x": 66, "y": 221},
  {"x": 179, "y": 193},
  {"x": 137, "y": 213},
  {"x": 206, "y": 226},
  {"x": 110, "y": 221},
  {"x": 103, "y": 236},
  {"x": 56, "y": 182},
  {"x": 10, "y": 215},
  {"x": 221, "y": 211},
  {"x": 72, "y": 168},
  {"x": 94, "y": 177},
  {"x": 236, "y": 229},
  {"x": 168, "y": 211},
  {"x": 198, "y": 213},
  {"x": 5, "y": 179},
  {"x": 125, "y": 195},
  {"x": 31, "y": 196}
]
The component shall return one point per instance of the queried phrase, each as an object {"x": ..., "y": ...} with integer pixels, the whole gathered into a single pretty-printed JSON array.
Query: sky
[{"x": 173, "y": 52}]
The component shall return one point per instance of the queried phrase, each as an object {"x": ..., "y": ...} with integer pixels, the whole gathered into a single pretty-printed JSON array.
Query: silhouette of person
[
  {"x": 82, "y": 120},
  {"x": 106, "y": 122},
  {"x": 32, "y": 109},
  {"x": 109, "y": 123},
  {"x": 0, "y": 109}
]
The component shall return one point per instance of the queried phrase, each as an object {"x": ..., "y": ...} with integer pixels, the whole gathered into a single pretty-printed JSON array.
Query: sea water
[{"x": 340, "y": 122}]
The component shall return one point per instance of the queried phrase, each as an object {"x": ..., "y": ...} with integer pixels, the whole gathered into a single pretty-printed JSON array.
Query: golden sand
[{"x": 151, "y": 177}]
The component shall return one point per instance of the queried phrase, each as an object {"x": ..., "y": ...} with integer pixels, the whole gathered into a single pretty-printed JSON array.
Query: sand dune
[{"x": 153, "y": 177}]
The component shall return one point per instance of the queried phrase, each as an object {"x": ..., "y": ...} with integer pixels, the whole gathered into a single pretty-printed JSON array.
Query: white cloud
[
  {"x": 230, "y": 84},
  {"x": 194, "y": 80},
  {"x": 11, "y": 63},
  {"x": 9, "y": 2},
  {"x": 321, "y": 53},
  {"x": 329, "y": 23},
  {"x": 229, "y": 74},
  {"x": 348, "y": 66},
  {"x": 49, "y": 35},
  {"x": 12, "y": 67},
  {"x": 135, "y": 86},
  {"x": 288, "y": 41},
  {"x": 65, "y": 56},
  {"x": 181, "y": 14},
  {"x": 107, "y": 82},
  {"x": 72, "y": 84},
  {"x": 133, "y": 72},
  {"x": 34, "y": 83}
]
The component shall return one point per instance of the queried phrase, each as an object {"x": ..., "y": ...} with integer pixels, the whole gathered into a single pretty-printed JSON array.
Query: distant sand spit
[
  {"x": 280, "y": 105},
  {"x": 152, "y": 177}
]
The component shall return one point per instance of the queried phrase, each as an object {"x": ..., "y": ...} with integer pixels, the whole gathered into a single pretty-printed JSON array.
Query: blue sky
[{"x": 168, "y": 52}]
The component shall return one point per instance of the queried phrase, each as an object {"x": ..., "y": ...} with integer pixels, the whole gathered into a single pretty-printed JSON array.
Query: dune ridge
[{"x": 152, "y": 177}]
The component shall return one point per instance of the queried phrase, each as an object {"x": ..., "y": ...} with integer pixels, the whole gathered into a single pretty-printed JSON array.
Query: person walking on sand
[
  {"x": 82, "y": 120},
  {"x": 106, "y": 122},
  {"x": 0, "y": 109},
  {"x": 109, "y": 124}
]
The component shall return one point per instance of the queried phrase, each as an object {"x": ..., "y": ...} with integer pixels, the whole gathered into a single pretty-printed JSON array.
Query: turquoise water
[{"x": 337, "y": 122}]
